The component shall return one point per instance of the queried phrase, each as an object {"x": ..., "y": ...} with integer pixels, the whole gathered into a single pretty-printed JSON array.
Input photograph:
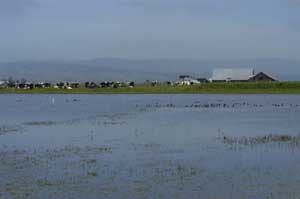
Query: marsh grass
[
  {"x": 41, "y": 123},
  {"x": 46, "y": 182},
  {"x": 4, "y": 129},
  {"x": 92, "y": 174},
  {"x": 293, "y": 141}
]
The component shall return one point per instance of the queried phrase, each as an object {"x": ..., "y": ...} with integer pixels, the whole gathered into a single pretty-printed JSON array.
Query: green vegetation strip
[{"x": 209, "y": 88}]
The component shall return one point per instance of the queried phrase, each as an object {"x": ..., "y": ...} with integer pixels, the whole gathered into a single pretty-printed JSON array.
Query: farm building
[
  {"x": 232, "y": 75},
  {"x": 202, "y": 80},
  {"x": 3, "y": 84},
  {"x": 184, "y": 77},
  {"x": 262, "y": 77},
  {"x": 188, "y": 80}
]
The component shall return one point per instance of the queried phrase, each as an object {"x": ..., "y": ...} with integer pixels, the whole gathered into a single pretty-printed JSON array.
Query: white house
[
  {"x": 3, "y": 83},
  {"x": 187, "y": 80}
]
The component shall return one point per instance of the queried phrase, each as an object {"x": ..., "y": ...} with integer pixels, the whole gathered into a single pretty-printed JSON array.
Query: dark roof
[
  {"x": 184, "y": 76},
  {"x": 265, "y": 74}
]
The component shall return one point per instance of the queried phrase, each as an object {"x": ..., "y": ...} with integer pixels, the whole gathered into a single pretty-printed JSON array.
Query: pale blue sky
[{"x": 149, "y": 29}]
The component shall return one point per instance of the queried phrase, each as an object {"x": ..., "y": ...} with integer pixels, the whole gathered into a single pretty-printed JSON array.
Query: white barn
[{"x": 232, "y": 74}]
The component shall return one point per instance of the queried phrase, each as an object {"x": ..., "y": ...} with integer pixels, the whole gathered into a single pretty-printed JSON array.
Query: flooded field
[{"x": 150, "y": 146}]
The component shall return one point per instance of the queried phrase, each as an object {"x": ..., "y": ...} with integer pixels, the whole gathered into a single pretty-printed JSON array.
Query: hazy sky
[{"x": 203, "y": 29}]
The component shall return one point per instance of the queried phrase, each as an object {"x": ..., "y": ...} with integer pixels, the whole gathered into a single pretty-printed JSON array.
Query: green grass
[{"x": 210, "y": 88}]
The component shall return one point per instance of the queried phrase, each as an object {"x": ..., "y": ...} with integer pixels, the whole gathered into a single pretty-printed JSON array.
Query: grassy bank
[{"x": 210, "y": 88}]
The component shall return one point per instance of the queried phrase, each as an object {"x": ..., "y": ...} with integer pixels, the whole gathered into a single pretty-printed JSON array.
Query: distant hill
[{"x": 139, "y": 70}]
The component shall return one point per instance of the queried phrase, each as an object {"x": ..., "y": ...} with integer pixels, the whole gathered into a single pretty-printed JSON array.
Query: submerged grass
[
  {"x": 4, "y": 129},
  {"x": 40, "y": 123},
  {"x": 259, "y": 140},
  {"x": 92, "y": 174},
  {"x": 209, "y": 88},
  {"x": 83, "y": 172}
]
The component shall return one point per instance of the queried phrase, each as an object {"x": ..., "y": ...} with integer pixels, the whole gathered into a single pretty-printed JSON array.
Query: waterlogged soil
[{"x": 150, "y": 146}]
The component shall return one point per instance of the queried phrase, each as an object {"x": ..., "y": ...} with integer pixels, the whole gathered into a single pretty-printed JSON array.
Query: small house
[
  {"x": 184, "y": 77},
  {"x": 3, "y": 84},
  {"x": 187, "y": 80},
  {"x": 202, "y": 80}
]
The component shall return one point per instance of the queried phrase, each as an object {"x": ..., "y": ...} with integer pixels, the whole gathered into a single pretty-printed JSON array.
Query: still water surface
[{"x": 149, "y": 146}]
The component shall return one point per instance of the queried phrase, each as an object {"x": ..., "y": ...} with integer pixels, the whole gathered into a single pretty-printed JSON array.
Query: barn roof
[
  {"x": 266, "y": 74},
  {"x": 238, "y": 74}
]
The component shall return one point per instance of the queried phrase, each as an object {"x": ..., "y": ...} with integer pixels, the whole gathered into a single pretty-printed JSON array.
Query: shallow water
[{"x": 149, "y": 146}]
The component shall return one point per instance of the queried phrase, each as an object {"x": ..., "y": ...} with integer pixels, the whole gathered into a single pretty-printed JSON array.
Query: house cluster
[{"x": 228, "y": 75}]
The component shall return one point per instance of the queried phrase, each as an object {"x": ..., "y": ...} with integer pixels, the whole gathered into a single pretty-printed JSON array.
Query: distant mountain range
[{"x": 102, "y": 69}]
